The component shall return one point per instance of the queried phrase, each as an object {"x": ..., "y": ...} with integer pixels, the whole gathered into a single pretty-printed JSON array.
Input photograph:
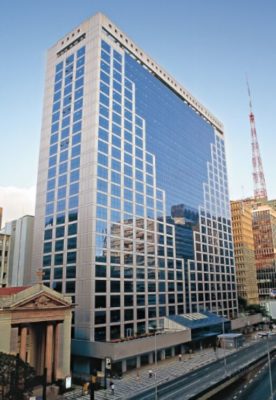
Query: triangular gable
[
  {"x": 40, "y": 301},
  {"x": 38, "y": 297}
]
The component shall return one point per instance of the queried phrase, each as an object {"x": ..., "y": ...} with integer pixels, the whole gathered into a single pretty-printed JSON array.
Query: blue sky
[{"x": 207, "y": 45}]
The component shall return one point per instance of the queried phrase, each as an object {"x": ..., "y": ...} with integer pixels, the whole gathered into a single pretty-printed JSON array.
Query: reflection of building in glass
[{"x": 135, "y": 177}]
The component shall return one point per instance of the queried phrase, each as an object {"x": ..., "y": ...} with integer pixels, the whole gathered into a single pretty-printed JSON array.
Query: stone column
[
  {"x": 151, "y": 358},
  {"x": 138, "y": 361},
  {"x": 56, "y": 354},
  {"x": 65, "y": 345},
  {"x": 124, "y": 366},
  {"x": 40, "y": 331},
  {"x": 49, "y": 352},
  {"x": 33, "y": 345},
  {"x": 102, "y": 365},
  {"x": 23, "y": 343},
  {"x": 173, "y": 351},
  {"x": 163, "y": 354}
]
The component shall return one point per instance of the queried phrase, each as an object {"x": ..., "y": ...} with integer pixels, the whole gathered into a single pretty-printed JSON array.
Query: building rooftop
[
  {"x": 198, "y": 320},
  {"x": 9, "y": 291},
  {"x": 124, "y": 41}
]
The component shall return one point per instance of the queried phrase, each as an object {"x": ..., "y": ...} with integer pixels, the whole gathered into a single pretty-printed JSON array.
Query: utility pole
[{"x": 269, "y": 367}]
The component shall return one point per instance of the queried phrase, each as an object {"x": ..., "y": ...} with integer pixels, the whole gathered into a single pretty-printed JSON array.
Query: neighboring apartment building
[
  {"x": 132, "y": 211},
  {"x": 272, "y": 203},
  {"x": 21, "y": 244},
  {"x": 264, "y": 233},
  {"x": 244, "y": 252},
  {"x": 4, "y": 259},
  {"x": 1, "y": 216}
]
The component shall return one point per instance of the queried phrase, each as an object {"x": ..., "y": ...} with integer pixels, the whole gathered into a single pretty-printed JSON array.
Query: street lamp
[
  {"x": 156, "y": 331},
  {"x": 269, "y": 367},
  {"x": 155, "y": 356},
  {"x": 223, "y": 334}
]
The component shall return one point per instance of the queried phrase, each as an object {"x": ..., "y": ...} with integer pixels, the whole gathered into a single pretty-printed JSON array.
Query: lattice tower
[{"x": 258, "y": 172}]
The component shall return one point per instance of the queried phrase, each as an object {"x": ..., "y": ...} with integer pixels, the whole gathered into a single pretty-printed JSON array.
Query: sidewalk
[{"x": 166, "y": 370}]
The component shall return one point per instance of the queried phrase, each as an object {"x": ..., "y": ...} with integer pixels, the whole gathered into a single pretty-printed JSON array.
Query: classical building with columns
[{"x": 35, "y": 322}]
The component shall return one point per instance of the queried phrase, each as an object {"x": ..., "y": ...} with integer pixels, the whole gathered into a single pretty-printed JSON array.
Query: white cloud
[{"x": 16, "y": 202}]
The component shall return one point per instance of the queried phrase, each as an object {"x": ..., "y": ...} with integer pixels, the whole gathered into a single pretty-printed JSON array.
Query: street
[
  {"x": 258, "y": 387},
  {"x": 195, "y": 382},
  {"x": 182, "y": 380}
]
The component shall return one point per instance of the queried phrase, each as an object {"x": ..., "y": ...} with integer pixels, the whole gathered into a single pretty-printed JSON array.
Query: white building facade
[{"x": 21, "y": 245}]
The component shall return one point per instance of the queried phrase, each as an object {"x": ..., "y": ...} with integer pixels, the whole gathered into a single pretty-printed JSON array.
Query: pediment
[{"x": 39, "y": 302}]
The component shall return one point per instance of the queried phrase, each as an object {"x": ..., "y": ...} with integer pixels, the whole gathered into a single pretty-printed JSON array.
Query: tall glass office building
[{"x": 132, "y": 213}]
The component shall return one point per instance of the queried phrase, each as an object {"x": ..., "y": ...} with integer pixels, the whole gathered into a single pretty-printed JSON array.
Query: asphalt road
[
  {"x": 185, "y": 387},
  {"x": 259, "y": 386}
]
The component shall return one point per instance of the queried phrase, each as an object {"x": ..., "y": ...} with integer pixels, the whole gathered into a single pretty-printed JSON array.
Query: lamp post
[
  {"x": 269, "y": 368},
  {"x": 155, "y": 375},
  {"x": 223, "y": 333},
  {"x": 224, "y": 357},
  {"x": 158, "y": 330},
  {"x": 155, "y": 356}
]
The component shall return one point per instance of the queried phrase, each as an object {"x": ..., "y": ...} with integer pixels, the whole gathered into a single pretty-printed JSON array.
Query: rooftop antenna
[{"x": 258, "y": 172}]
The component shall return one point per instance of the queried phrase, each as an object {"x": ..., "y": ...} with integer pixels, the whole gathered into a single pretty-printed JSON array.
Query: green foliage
[
  {"x": 251, "y": 308},
  {"x": 242, "y": 304},
  {"x": 257, "y": 309},
  {"x": 16, "y": 377}
]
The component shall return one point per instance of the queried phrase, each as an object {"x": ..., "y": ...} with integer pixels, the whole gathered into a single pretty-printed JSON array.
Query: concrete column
[
  {"x": 102, "y": 365},
  {"x": 151, "y": 358},
  {"x": 65, "y": 345},
  {"x": 138, "y": 361},
  {"x": 49, "y": 352},
  {"x": 173, "y": 351},
  {"x": 182, "y": 349},
  {"x": 23, "y": 343},
  {"x": 124, "y": 366},
  {"x": 163, "y": 354},
  {"x": 40, "y": 348},
  {"x": 5, "y": 329},
  {"x": 33, "y": 344},
  {"x": 56, "y": 354}
]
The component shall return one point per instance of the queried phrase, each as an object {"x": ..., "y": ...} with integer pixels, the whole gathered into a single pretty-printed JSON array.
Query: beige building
[
  {"x": 35, "y": 322},
  {"x": 4, "y": 259},
  {"x": 263, "y": 217},
  {"x": 264, "y": 232},
  {"x": 1, "y": 216},
  {"x": 244, "y": 252}
]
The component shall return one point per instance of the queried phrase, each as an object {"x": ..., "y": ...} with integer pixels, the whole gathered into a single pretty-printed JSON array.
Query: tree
[
  {"x": 257, "y": 309},
  {"x": 242, "y": 304},
  {"x": 16, "y": 377}
]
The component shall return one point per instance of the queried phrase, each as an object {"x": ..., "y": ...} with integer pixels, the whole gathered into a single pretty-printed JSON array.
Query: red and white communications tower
[{"x": 258, "y": 172}]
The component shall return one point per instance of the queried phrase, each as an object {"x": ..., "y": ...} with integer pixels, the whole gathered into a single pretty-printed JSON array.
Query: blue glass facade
[
  {"x": 162, "y": 204},
  {"x": 135, "y": 249},
  {"x": 191, "y": 169}
]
